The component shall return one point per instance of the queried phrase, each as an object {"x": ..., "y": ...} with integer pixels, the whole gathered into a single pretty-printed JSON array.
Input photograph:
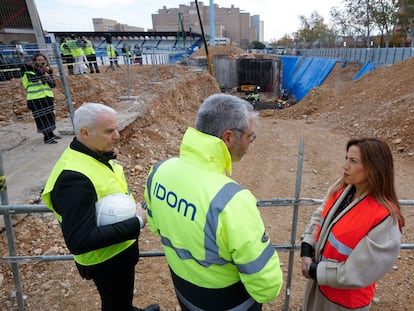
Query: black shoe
[
  {"x": 153, "y": 307},
  {"x": 97, "y": 71},
  {"x": 50, "y": 141},
  {"x": 56, "y": 137}
]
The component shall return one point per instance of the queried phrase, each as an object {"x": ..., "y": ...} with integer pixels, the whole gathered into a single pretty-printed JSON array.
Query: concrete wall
[
  {"x": 230, "y": 72},
  {"x": 225, "y": 71}
]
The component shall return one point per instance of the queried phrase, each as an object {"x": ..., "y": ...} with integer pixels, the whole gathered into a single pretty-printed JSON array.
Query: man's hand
[{"x": 141, "y": 213}]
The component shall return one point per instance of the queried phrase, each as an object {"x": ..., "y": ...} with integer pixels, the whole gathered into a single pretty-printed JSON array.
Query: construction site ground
[{"x": 164, "y": 103}]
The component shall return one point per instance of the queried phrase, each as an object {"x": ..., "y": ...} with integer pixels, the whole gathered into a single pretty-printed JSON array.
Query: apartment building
[
  {"x": 105, "y": 24},
  {"x": 258, "y": 27},
  {"x": 229, "y": 22}
]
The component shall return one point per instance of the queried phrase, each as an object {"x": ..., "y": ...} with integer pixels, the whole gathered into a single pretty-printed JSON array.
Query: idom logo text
[{"x": 173, "y": 201}]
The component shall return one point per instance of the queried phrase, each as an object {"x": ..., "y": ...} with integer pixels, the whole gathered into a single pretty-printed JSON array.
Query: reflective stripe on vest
[
  {"x": 341, "y": 248},
  {"x": 149, "y": 183},
  {"x": 361, "y": 217},
  {"x": 88, "y": 49},
  {"x": 110, "y": 49},
  {"x": 65, "y": 49},
  {"x": 74, "y": 47},
  {"x": 212, "y": 256},
  {"x": 36, "y": 89}
]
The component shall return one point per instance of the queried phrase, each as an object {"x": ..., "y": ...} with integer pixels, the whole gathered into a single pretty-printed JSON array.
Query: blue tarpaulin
[
  {"x": 289, "y": 65},
  {"x": 367, "y": 67},
  {"x": 300, "y": 75}
]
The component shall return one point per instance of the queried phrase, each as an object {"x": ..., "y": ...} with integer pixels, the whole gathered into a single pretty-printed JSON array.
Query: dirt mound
[
  {"x": 380, "y": 104},
  {"x": 147, "y": 83},
  {"x": 228, "y": 50}
]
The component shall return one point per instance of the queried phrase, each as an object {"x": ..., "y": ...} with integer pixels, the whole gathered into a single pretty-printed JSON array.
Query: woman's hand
[
  {"x": 306, "y": 262},
  {"x": 44, "y": 69}
]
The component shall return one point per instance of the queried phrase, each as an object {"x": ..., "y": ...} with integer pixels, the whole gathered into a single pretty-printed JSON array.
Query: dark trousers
[
  {"x": 69, "y": 60},
  {"x": 92, "y": 62},
  {"x": 113, "y": 61},
  {"x": 44, "y": 115},
  {"x": 114, "y": 279}
]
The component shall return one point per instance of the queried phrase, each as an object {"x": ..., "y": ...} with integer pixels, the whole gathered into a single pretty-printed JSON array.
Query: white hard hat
[{"x": 114, "y": 208}]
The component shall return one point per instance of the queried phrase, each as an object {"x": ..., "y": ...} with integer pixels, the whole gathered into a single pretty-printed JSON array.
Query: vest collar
[
  {"x": 101, "y": 157},
  {"x": 206, "y": 150}
]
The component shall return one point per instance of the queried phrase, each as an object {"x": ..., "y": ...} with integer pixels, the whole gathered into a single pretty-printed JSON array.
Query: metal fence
[
  {"x": 13, "y": 61},
  {"x": 378, "y": 56},
  {"x": 13, "y": 259},
  {"x": 12, "y": 57}
]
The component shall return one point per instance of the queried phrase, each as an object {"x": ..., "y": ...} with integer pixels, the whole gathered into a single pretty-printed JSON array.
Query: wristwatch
[{"x": 141, "y": 222}]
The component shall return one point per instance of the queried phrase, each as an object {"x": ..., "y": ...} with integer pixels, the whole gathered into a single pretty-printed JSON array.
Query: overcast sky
[{"x": 280, "y": 17}]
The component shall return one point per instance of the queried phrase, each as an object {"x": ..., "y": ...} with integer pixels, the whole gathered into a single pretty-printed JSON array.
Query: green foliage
[
  {"x": 363, "y": 18},
  {"x": 314, "y": 32},
  {"x": 286, "y": 41},
  {"x": 370, "y": 20},
  {"x": 257, "y": 45},
  {"x": 405, "y": 17}
]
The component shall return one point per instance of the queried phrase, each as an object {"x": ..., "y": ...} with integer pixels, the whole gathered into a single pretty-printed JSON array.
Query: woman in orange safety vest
[{"x": 353, "y": 238}]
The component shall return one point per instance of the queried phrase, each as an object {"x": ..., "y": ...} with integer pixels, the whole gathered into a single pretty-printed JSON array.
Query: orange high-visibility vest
[{"x": 343, "y": 238}]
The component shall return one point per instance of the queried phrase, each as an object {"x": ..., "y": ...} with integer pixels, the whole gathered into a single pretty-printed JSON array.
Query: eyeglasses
[{"x": 251, "y": 136}]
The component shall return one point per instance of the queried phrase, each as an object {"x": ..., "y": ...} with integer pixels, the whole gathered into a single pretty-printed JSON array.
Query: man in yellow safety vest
[{"x": 215, "y": 242}]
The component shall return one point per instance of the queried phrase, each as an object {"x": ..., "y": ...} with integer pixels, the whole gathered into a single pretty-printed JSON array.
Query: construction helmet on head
[{"x": 114, "y": 208}]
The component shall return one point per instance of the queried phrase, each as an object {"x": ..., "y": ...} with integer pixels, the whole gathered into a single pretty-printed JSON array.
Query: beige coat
[{"x": 380, "y": 246}]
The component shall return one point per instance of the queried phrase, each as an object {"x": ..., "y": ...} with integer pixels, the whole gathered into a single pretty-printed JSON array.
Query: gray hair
[
  {"x": 221, "y": 112},
  {"x": 87, "y": 114}
]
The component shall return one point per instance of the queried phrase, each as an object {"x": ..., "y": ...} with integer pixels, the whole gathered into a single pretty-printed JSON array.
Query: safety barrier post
[
  {"x": 294, "y": 224},
  {"x": 10, "y": 237},
  {"x": 58, "y": 58}
]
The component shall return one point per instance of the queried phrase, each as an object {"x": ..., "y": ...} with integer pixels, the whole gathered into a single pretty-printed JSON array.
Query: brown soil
[
  {"x": 218, "y": 50},
  {"x": 380, "y": 104}
]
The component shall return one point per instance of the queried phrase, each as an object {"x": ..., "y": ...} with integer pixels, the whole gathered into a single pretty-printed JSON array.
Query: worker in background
[
  {"x": 138, "y": 54},
  {"x": 90, "y": 54},
  {"x": 77, "y": 53},
  {"x": 126, "y": 53},
  {"x": 67, "y": 56},
  {"x": 112, "y": 55},
  {"x": 214, "y": 239},
  {"x": 38, "y": 81}
]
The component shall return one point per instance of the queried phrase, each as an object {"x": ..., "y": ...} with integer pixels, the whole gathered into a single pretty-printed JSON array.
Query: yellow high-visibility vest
[
  {"x": 105, "y": 182},
  {"x": 210, "y": 228},
  {"x": 35, "y": 89}
]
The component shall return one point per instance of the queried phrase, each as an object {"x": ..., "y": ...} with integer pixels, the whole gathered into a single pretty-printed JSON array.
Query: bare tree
[
  {"x": 344, "y": 26},
  {"x": 405, "y": 17},
  {"x": 384, "y": 15},
  {"x": 363, "y": 17},
  {"x": 314, "y": 32},
  {"x": 359, "y": 13}
]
